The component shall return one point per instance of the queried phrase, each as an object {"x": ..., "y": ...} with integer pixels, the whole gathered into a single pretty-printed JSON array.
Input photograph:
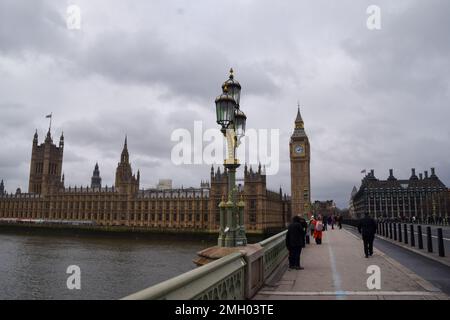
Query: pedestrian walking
[
  {"x": 339, "y": 220},
  {"x": 367, "y": 227},
  {"x": 311, "y": 225},
  {"x": 318, "y": 228},
  {"x": 295, "y": 241},
  {"x": 325, "y": 223},
  {"x": 305, "y": 228}
]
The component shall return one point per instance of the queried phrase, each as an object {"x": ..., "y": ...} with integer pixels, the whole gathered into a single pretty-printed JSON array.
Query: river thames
[{"x": 33, "y": 265}]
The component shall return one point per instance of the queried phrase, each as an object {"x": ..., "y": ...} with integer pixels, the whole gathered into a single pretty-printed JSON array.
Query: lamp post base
[
  {"x": 232, "y": 232},
  {"x": 241, "y": 241},
  {"x": 214, "y": 253}
]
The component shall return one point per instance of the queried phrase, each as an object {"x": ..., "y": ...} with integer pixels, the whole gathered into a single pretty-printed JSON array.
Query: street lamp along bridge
[{"x": 232, "y": 121}]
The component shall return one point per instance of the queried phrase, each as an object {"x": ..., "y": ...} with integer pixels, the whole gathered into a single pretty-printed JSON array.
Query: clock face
[{"x": 298, "y": 149}]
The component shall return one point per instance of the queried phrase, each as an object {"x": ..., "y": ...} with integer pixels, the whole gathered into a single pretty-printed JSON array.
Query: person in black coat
[
  {"x": 339, "y": 220},
  {"x": 295, "y": 241},
  {"x": 367, "y": 227}
]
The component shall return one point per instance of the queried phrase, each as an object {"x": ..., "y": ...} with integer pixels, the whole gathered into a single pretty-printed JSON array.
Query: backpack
[{"x": 319, "y": 226}]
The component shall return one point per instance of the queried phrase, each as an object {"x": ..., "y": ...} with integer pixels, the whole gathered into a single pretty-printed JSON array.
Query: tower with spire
[
  {"x": 46, "y": 165},
  {"x": 300, "y": 157},
  {"x": 96, "y": 180},
  {"x": 126, "y": 181},
  {"x": 2, "y": 188}
]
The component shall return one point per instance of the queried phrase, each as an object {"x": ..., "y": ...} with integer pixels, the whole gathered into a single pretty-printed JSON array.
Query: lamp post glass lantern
[
  {"x": 225, "y": 109},
  {"x": 232, "y": 121},
  {"x": 240, "y": 120},
  {"x": 233, "y": 87}
]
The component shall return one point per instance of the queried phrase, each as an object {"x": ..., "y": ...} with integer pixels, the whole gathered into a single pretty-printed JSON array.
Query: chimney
[
  {"x": 420, "y": 176},
  {"x": 432, "y": 172},
  {"x": 391, "y": 172},
  {"x": 413, "y": 174},
  {"x": 426, "y": 174},
  {"x": 372, "y": 172}
]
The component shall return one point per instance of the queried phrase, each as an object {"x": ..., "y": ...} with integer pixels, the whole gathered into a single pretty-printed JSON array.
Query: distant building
[
  {"x": 324, "y": 208},
  {"x": 126, "y": 181},
  {"x": 164, "y": 184},
  {"x": 46, "y": 165},
  {"x": 300, "y": 160},
  {"x": 351, "y": 205},
  {"x": 96, "y": 180},
  {"x": 125, "y": 204},
  {"x": 424, "y": 197},
  {"x": 204, "y": 184}
]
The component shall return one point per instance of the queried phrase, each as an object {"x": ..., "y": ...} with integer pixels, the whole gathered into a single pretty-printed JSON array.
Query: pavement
[
  {"x": 429, "y": 269},
  {"x": 338, "y": 270}
]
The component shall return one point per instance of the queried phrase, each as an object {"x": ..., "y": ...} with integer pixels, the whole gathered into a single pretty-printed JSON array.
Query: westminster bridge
[{"x": 411, "y": 266}]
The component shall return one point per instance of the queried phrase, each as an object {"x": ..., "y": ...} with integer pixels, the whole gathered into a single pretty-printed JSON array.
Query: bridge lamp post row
[{"x": 232, "y": 121}]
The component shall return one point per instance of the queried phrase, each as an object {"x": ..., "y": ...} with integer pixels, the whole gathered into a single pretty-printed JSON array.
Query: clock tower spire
[{"x": 300, "y": 156}]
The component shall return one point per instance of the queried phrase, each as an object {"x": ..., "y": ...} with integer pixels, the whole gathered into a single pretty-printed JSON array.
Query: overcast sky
[{"x": 370, "y": 99}]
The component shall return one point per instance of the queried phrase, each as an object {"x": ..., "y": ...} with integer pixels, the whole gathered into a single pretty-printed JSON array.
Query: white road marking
[
  {"x": 425, "y": 234},
  {"x": 336, "y": 276}
]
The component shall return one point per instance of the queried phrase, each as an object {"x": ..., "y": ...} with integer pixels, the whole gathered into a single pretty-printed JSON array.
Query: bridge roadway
[{"x": 337, "y": 269}]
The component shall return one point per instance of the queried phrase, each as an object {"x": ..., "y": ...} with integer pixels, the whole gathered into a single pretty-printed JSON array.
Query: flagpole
[{"x": 50, "y": 127}]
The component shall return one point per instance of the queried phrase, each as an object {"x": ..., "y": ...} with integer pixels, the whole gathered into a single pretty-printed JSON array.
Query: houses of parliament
[{"x": 48, "y": 200}]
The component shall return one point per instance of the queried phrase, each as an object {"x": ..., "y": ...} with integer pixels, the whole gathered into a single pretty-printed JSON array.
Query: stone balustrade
[{"x": 237, "y": 276}]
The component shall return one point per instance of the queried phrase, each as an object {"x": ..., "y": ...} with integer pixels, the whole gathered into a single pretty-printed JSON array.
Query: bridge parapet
[
  {"x": 275, "y": 252},
  {"x": 222, "y": 279},
  {"x": 237, "y": 276}
]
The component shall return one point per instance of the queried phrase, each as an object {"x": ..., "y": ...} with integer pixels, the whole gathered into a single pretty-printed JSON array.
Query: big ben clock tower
[{"x": 300, "y": 155}]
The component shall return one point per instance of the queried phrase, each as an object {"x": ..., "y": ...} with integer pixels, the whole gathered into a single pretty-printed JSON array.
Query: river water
[{"x": 33, "y": 266}]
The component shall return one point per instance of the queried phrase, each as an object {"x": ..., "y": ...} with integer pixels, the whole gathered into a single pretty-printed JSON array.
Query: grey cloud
[
  {"x": 31, "y": 26},
  {"x": 145, "y": 58},
  {"x": 370, "y": 99},
  {"x": 126, "y": 57},
  {"x": 409, "y": 54}
]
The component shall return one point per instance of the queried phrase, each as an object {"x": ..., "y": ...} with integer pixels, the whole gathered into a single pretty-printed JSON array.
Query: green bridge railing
[
  {"x": 275, "y": 252},
  {"x": 236, "y": 276}
]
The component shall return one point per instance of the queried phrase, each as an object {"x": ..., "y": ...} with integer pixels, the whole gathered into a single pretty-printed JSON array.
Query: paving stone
[{"x": 338, "y": 266}]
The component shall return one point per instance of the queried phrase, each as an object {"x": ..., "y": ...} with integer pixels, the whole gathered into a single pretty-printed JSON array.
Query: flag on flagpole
[
  {"x": 363, "y": 171},
  {"x": 49, "y": 116}
]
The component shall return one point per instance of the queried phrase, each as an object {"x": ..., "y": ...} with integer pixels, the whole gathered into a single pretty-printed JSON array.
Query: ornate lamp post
[{"x": 232, "y": 121}]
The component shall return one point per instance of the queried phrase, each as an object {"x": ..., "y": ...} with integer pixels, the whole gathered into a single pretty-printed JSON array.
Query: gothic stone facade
[
  {"x": 300, "y": 156},
  {"x": 191, "y": 209},
  {"x": 46, "y": 165}
]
